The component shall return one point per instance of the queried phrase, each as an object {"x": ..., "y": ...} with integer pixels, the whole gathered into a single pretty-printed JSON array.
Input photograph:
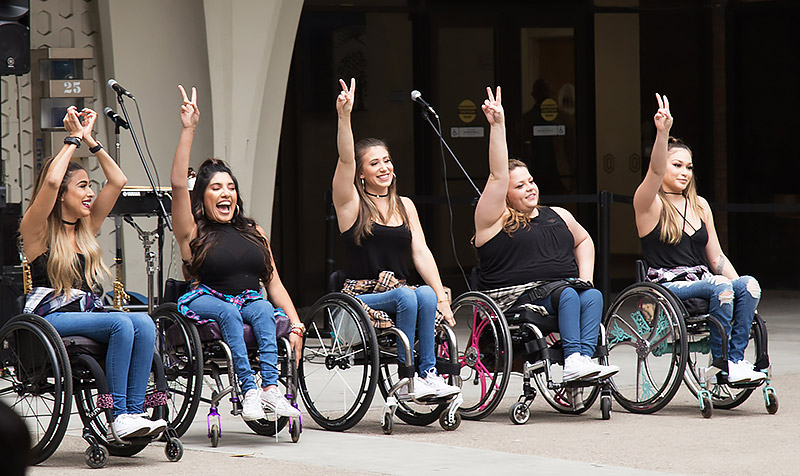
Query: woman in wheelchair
[
  {"x": 58, "y": 232},
  {"x": 381, "y": 230},
  {"x": 523, "y": 245},
  {"x": 229, "y": 259},
  {"x": 679, "y": 244}
]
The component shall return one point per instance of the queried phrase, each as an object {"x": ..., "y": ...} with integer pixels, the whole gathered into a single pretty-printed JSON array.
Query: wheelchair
[
  {"x": 191, "y": 352},
  {"x": 659, "y": 341},
  {"x": 519, "y": 340},
  {"x": 42, "y": 372},
  {"x": 345, "y": 359}
]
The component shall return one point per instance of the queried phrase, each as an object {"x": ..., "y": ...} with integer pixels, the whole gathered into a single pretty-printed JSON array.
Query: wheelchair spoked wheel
[
  {"x": 338, "y": 372},
  {"x": 36, "y": 381},
  {"x": 723, "y": 396},
  {"x": 486, "y": 359},
  {"x": 178, "y": 344},
  {"x": 647, "y": 339},
  {"x": 564, "y": 399}
]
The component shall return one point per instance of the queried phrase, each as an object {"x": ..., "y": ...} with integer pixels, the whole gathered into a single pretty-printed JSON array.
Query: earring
[
  {"x": 363, "y": 185},
  {"x": 236, "y": 212},
  {"x": 394, "y": 175}
]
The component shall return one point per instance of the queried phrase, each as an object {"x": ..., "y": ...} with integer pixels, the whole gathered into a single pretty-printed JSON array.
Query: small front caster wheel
[
  {"x": 450, "y": 423},
  {"x": 519, "y": 413},
  {"x": 96, "y": 456},
  {"x": 295, "y": 429},
  {"x": 387, "y": 424},
  {"x": 605, "y": 407},
  {"x": 707, "y": 409},
  {"x": 772, "y": 403},
  {"x": 174, "y": 449},
  {"x": 214, "y": 434}
]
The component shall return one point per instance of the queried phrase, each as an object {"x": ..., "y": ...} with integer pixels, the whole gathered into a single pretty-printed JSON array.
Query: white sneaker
[
  {"x": 129, "y": 426},
  {"x": 251, "y": 406},
  {"x": 605, "y": 370},
  {"x": 421, "y": 389},
  {"x": 156, "y": 426},
  {"x": 576, "y": 368},
  {"x": 277, "y": 403},
  {"x": 742, "y": 372},
  {"x": 439, "y": 386}
]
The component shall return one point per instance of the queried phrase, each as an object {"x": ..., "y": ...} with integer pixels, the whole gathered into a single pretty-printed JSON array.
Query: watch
[{"x": 76, "y": 141}]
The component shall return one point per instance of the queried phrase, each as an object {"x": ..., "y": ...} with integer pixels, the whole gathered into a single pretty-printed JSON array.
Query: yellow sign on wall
[
  {"x": 466, "y": 110},
  {"x": 549, "y": 109}
]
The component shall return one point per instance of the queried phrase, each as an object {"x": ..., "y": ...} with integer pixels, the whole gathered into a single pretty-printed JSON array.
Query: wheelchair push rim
[
  {"x": 36, "y": 381},
  {"x": 647, "y": 340},
  {"x": 338, "y": 372},
  {"x": 486, "y": 358}
]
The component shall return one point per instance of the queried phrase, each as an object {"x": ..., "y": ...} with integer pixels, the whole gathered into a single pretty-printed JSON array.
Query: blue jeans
[
  {"x": 733, "y": 302},
  {"x": 131, "y": 339},
  {"x": 261, "y": 315},
  {"x": 414, "y": 309},
  {"x": 579, "y": 314}
]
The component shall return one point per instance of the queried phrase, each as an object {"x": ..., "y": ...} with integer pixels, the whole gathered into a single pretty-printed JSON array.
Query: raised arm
[
  {"x": 345, "y": 195},
  {"x": 645, "y": 203},
  {"x": 492, "y": 204},
  {"x": 115, "y": 178},
  {"x": 33, "y": 227},
  {"x": 424, "y": 262},
  {"x": 183, "y": 223},
  {"x": 584, "y": 245}
]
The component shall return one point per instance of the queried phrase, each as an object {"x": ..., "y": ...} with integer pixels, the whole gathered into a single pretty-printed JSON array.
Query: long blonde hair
[
  {"x": 671, "y": 220},
  {"x": 515, "y": 218},
  {"x": 63, "y": 262},
  {"x": 368, "y": 213}
]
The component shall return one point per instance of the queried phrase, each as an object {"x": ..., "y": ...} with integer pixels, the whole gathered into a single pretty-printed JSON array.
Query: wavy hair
[
  {"x": 671, "y": 220},
  {"x": 206, "y": 236},
  {"x": 515, "y": 219},
  {"x": 63, "y": 265},
  {"x": 368, "y": 213}
]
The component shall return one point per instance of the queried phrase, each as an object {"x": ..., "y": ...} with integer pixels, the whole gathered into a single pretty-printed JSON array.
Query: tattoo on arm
[{"x": 720, "y": 264}]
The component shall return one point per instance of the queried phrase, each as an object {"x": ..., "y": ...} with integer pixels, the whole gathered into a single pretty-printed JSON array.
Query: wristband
[
  {"x": 297, "y": 332},
  {"x": 96, "y": 148},
  {"x": 71, "y": 140}
]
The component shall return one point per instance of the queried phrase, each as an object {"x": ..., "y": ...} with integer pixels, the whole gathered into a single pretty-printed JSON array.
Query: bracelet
[
  {"x": 296, "y": 331},
  {"x": 442, "y": 300},
  {"x": 96, "y": 148},
  {"x": 72, "y": 140},
  {"x": 300, "y": 326}
]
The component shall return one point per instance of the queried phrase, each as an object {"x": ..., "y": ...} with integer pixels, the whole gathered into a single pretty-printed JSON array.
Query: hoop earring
[{"x": 236, "y": 212}]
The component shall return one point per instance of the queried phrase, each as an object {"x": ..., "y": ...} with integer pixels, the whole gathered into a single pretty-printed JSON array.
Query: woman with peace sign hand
[
  {"x": 523, "y": 245},
  {"x": 680, "y": 244},
  {"x": 381, "y": 232},
  {"x": 229, "y": 259}
]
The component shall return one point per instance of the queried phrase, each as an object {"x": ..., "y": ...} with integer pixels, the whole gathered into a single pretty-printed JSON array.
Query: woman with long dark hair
[
  {"x": 381, "y": 232},
  {"x": 58, "y": 234},
  {"x": 228, "y": 258},
  {"x": 682, "y": 250}
]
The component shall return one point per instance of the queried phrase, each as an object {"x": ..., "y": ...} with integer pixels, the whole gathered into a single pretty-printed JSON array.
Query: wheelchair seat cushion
[
  {"x": 77, "y": 345},
  {"x": 696, "y": 306},
  {"x": 210, "y": 331},
  {"x": 527, "y": 314}
]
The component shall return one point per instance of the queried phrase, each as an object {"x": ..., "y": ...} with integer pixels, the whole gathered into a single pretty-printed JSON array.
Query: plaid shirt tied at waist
[
  {"x": 386, "y": 282},
  {"x": 506, "y": 297},
  {"x": 238, "y": 301},
  {"x": 43, "y": 300},
  {"x": 680, "y": 273}
]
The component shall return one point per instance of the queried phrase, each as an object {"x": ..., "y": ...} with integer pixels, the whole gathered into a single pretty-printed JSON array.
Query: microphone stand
[
  {"x": 426, "y": 115},
  {"x": 163, "y": 219}
]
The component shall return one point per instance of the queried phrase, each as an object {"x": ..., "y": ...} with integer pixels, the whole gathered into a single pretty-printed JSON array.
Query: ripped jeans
[{"x": 733, "y": 302}]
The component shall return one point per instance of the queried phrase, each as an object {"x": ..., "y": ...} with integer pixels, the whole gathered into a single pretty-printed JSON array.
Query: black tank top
[
  {"x": 690, "y": 251},
  {"x": 387, "y": 249},
  {"x": 40, "y": 278},
  {"x": 542, "y": 251},
  {"x": 234, "y": 264}
]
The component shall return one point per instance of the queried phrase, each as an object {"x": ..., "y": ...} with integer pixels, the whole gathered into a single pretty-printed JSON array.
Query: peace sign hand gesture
[
  {"x": 663, "y": 118},
  {"x": 346, "y": 98},
  {"x": 493, "y": 107},
  {"x": 190, "y": 114}
]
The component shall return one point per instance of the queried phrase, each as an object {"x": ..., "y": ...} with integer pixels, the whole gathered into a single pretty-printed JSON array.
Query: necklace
[
  {"x": 73, "y": 223},
  {"x": 376, "y": 195},
  {"x": 674, "y": 193}
]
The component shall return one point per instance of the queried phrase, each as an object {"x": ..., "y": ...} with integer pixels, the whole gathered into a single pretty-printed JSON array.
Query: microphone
[
  {"x": 113, "y": 84},
  {"x": 118, "y": 120},
  {"x": 416, "y": 96}
]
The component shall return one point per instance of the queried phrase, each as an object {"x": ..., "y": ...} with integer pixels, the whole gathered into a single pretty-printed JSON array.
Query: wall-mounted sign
[
  {"x": 554, "y": 130},
  {"x": 466, "y": 111},
  {"x": 549, "y": 109},
  {"x": 463, "y": 132}
]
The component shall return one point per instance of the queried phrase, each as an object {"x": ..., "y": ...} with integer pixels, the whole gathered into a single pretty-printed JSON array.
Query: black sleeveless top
[
  {"x": 542, "y": 251},
  {"x": 387, "y": 249},
  {"x": 690, "y": 251},
  {"x": 40, "y": 278},
  {"x": 234, "y": 264}
]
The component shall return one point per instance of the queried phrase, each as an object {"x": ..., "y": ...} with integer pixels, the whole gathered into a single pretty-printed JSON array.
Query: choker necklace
[
  {"x": 376, "y": 195},
  {"x": 674, "y": 193},
  {"x": 69, "y": 222}
]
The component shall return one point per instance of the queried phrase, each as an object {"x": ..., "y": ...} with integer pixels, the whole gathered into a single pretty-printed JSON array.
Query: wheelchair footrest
[{"x": 445, "y": 367}]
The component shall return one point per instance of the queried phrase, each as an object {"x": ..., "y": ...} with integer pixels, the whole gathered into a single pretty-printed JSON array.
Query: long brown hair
[
  {"x": 206, "y": 236},
  {"x": 670, "y": 220},
  {"x": 63, "y": 265},
  {"x": 515, "y": 218},
  {"x": 368, "y": 213}
]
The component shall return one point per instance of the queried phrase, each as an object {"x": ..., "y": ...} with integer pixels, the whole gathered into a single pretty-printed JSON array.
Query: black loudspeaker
[{"x": 15, "y": 37}]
